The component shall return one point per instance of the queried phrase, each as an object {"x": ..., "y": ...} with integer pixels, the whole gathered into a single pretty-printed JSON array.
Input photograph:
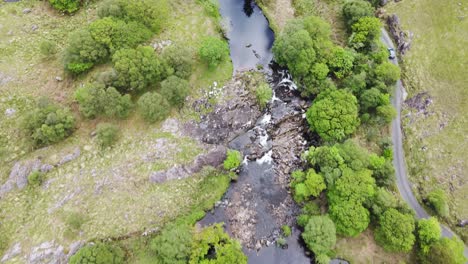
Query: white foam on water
[
  {"x": 266, "y": 158},
  {"x": 264, "y": 140},
  {"x": 245, "y": 161},
  {"x": 266, "y": 119}
]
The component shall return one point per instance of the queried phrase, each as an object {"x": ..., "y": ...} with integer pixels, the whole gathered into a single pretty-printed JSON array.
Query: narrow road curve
[{"x": 403, "y": 183}]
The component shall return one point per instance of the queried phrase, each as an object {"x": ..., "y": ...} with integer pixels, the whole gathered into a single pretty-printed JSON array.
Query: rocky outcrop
[
  {"x": 213, "y": 158},
  {"x": 402, "y": 38}
]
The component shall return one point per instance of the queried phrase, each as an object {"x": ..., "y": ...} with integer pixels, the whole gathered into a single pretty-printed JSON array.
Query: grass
[
  {"x": 435, "y": 145},
  {"x": 109, "y": 187}
]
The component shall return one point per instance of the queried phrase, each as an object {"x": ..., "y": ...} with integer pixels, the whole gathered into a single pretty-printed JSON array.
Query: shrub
[
  {"x": 447, "y": 251},
  {"x": 98, "y": 253},
  {"x": 213, "y": 51},
  {"x": 303, "y": 7},
  {"x": 179, "y": 58},
  {"x": 438, "y": 201},
  {"x": 429, "y": 232},
  {"x": 137, "y": 68},
  {"x": 356, "y": 9},
  {"x": 35, "y": 178},
  {"x": 341, "y": 62},
  {"x": 233, "y": 160},
  {"x": 395, "y": 231},
  {"x": 387, "y": 72},
  {"x": 286, "y": 230},
  {"x": 75, "y": 220},
  {"x": 320, "y": 234},
  {"x": 350, "y": 218},
  {"x": 212, "y": 245},
  {"x": 307, "y": 184},
  {"x": 153, "y": 107},
  {"x": 48, "y": 48},
  {"x": 107, "y": 134},
  {"x": 48, "y": 124},
  {"x": 263, "y": 93},
  {"x": 366, "y": 32},
  {"x": 173, "y": 244},
  {"x": 95, "y": 100},
  {"x": 66, "y": 6},
  {"x": 83, "y": 52},
  {"x": 211, "y": 8},
  {"x": 175, "y": 90}
]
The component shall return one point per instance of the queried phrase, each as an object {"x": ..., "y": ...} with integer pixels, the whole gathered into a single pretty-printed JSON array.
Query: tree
[
  {"x": 173, "y": 244},
  {"x": 175, "y": 90},
  {"x": 213, "y": 246},
  {"x": 213, "y": 51},
  {"x": 350, "y": 218},
  {"x": 320, "y": 234},
  {"x": 66, "y": 6},
  {"x": 137, "y": 68},
  {"x": 341, "y": 62},
  {"x": 369, "y": 100},
  {"x": 179, "y": 58},
  {"x": 233, "y": 160},
  {"x": 395, "y": 231},
  {"x": 447, "y": 251},
  {"x": 386, "y": 113},
  {"x": 382, "y": 200},
  {"x": 334, "y": 115},
  {"x": 48, "y": 124},
  {"x": 83, "y": 52},
  {"x": 428, "y": 233},
  {"x": 307, "y": 184},
  {"x": 387, "y": 72},
  {"x": 353, "y": 186},
  {"x": 365, "y": 32},
  {"x": 356, "y": 9},
  {"x": 107, "y": 134},
  {"x": 438, "y": 200},
  {"x": 98, "y": 253},
  {"x": 153, "y": 107}
]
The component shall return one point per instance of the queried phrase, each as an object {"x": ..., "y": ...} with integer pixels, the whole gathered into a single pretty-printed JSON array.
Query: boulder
[{"x": 402, "y": 38}]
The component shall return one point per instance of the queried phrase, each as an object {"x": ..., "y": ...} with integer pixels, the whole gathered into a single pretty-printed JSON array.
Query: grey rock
[
  {"x": 12, "y": 252},
  {"x": 403, "y": 39},
  {"x": 74, "y": 247},
  {"x": 34, "y": 27},
  {"x": 46, "y": 168},
  {"x": 19, "y": 175},
  {"x": 58, "y": 78},
  {"x": 47, "y": 252},
  {"x": 9, "y": 112},
  {"x": 70, "y": 157},
  {"x": 27, "y": 10}
]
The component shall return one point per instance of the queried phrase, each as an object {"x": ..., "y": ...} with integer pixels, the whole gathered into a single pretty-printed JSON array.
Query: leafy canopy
[
  {"x": 320, "y": 234},
  {"x": 213, "y": 51},
  {"x": 395, "y": 231}
]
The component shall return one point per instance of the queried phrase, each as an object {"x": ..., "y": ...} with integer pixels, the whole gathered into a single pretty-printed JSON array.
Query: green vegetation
[
  {"x": 286, "y": 230},
  {"x": 153, "y": 107},
  {"x": 306, "y": 184},
  {"x": 179, "y": 58},
  {"x": 48, "y": 124},
  {"x": 106, "y": 134},
  {"x": 263, "y": 93},
  {"x": 428, "y": 232},
  {"x": 48, "y": 48},
  {"x": 66, "y": 6},
  {"x": 98, "y": 253},
  {"x": 447, "y": 251},
  {"x": 395, "y": 231},
  {"x": 35, "y": 178},
  {"x": 175, "y": 89},
  {"x": 354, "y": 10},
  {"x": 213, "y": 51},
  {"x": 438, "y": 201},
  {"x": 213, "y": 245},
  {"x": 320, "y": 235},
  {"x": 233, "y": 160},
  {"x": 173, "y": 244}
]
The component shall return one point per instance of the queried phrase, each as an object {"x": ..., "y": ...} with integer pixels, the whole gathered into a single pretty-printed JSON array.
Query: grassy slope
[
  {"x": 110, "y": 188},
  {"x": 437, "y": 64}
]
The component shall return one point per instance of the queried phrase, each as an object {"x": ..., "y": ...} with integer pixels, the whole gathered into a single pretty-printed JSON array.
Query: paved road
[{"x": 398, "y": 154}]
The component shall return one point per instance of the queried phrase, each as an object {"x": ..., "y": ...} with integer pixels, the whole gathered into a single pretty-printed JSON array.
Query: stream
[{"x": 258, "y": 203}]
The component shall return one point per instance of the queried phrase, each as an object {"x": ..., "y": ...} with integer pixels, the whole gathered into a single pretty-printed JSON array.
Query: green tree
[
  {"x": 395, "y": 231},
  {"x": 213, "y": 51},
  {"x": 354, "y": 10},
  {"x": 353, "y": 186},
  {"x": 307, "y": 185},
  {"x": 173, "y": 244},
  {"x": 137, "y": 68},
  {"x": 350, "y": 218},
  {"x": 438, "y": 201},
  {"x": 341, "y": 62},
  {"x": 366, "y": 32},
  {"x": 428, "y": 233},
  {"x": 233, "y": 160},
  {"x": 180, "y": 59},
  {"x": 386, "y": 113},
  {"x": 387, "y": 72},
  {"x": 263, "y": 93},
  {"x": 382, "y": 200},
  {"x": 98, "y": 253},
  {"x": 107, "y": 134},
  {"x": 66, "y": 6},
  {"x": 48, "y": 124},
  {"x": 320, "y": 234},
  {"x": 213, "y": 246},
  {"x": 175, "y": 90},
  {"x": 153, "y": 107},
  {"x": 334, "y": 115},
  {"x": 369, "y": 100},
  {"x": 446, "y": 251}
]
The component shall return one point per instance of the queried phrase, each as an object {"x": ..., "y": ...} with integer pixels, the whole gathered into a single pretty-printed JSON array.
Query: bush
[
  {"x": 438, "y": 201},
  {"x": 350, "y": 218},
  {"x": 387, "y": 72},
  {"x": 175, "y": 90},
  {"x": 395, "y": 231},
  {"x": 48, "y": 124},
  {"x": 366, "y": 31},
  {"x": 173, "y": 244},
  {"x": 341, "y": 62},
  {"x": 233, "y": 160},
  {"x": 107, "y": 134},
  {"x": 66, "y": 6},
  {"x": 263, "y": 93},
  {"x": 212, "y": 245},
  {"x": 48, "y": 48},
  {"x": 320, "y": 234},
  {"x": 312, "y": 184},
  {"x": 286, "y": 230},
  {"x": 179, "y": 58},
  {"x": 137, "y": 68},
  {"x": 98, "y": 253},
  {"x": 429, "y": 232},
  {"x": 303, "y": 7},
  {"x": 153, "y": 107},
  {"x": 95, "y": 100},
  {"x": 75, "y": 220},
  {"x": 356, "y": 9},
  {"x": 35, "y": 178},
  {"x": 213, "y": 51},
  {"x": 83, "y": 52},
  {"x": 447, "y": 251}
]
